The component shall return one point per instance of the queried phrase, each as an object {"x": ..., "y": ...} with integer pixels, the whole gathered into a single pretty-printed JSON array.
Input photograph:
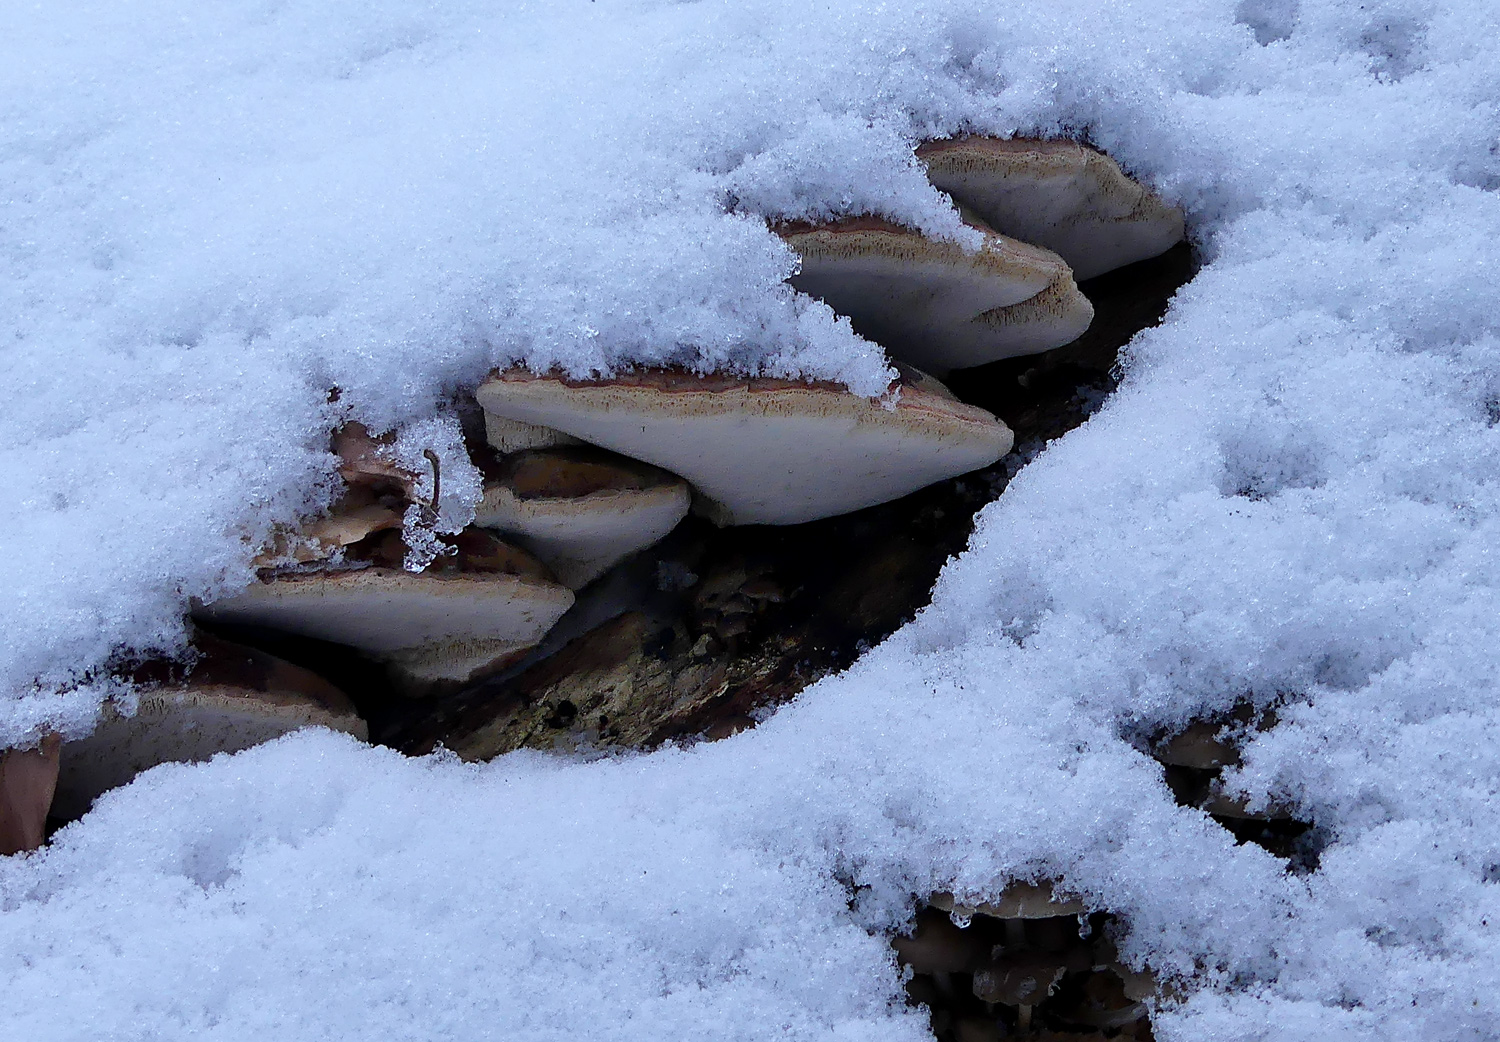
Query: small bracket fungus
[
  {"x": 764, "y": 451},
  {"x": 489, "y": 602},
  {"x": 232, "y": 698},
  {"x": 28, "y": 778},
  {"x": 350, "y": 522},
  {"x": 934, "y": 304},
  {"x": 364, "y": 461},
  {"x": 1028, "y": 964},
  {"x": 1059, "y": 194},
  {"x": 581, "y": 511}
]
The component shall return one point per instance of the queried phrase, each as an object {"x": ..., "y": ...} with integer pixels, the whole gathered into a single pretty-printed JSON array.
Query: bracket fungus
[
  {"x": 377, "y": 575},
  {"x": 232, "y": 697},
  {"x": 1059, "y": 194},
  {"x": 28, "y": 778},
  {"x": 935, "y": 304},
  {"x": 581, "y": 510},
  {"x": 764, "y": 450},
  {"x": 472, "y": 613}
]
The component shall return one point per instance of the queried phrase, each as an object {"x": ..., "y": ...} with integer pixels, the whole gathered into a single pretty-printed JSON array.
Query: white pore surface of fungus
[{"x": 214, "y": 214}]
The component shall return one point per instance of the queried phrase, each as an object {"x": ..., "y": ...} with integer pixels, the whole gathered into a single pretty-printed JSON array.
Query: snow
[
  {"x": 216, "y": 214},
  {"x": 448, "y": 485}
]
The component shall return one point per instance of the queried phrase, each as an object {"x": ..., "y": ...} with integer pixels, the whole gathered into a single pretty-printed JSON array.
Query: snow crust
[{"x": 215, "y": 214}]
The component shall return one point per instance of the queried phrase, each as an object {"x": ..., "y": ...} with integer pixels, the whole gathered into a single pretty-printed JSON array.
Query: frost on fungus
[{"x": 216, "y": 215}]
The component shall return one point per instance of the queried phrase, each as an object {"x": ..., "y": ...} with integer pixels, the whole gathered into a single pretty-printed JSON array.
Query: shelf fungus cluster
[
  {"x": 471, "y": 608},
  {"x": 438, "y": 594},
  {"x": 1031, "y": 965}
]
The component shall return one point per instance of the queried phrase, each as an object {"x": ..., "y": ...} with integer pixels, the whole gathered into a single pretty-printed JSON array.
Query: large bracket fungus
[
  {"x": 762, "y": 450},
  {"x": 233, "y": 697},
  {"x": 1059, "y": 194},
  {"x": 432, "y": 627},
  {"x": 347, "y": 578},
  {"x": 935, "y": 304}
]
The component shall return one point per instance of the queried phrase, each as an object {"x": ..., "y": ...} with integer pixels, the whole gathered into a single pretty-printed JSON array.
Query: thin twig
[{"x": 437, "y": 484}]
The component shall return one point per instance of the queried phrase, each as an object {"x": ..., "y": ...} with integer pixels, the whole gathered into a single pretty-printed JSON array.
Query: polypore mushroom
[
  {"x": 935, "y": 304},
  {"x": 765, "y": 451},
  {"x": 1020, "y": 977},
  {"x": 475, "y": 612},
  {"x": 581, "y": 510},
  {"x": 1023, "y": 979},
  {"x": 1029, "y": 953},
  {"x": 233, "y": 697},
  {"x": 1073, "y": 200},
  {"x": 1018, "y": 902},
  {"x": 28, "y": 778}
]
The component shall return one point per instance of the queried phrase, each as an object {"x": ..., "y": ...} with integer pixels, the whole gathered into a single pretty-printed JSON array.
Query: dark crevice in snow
[
  {"x": 705, "y": 633},
  {"x": 1271, "y": 828}
]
